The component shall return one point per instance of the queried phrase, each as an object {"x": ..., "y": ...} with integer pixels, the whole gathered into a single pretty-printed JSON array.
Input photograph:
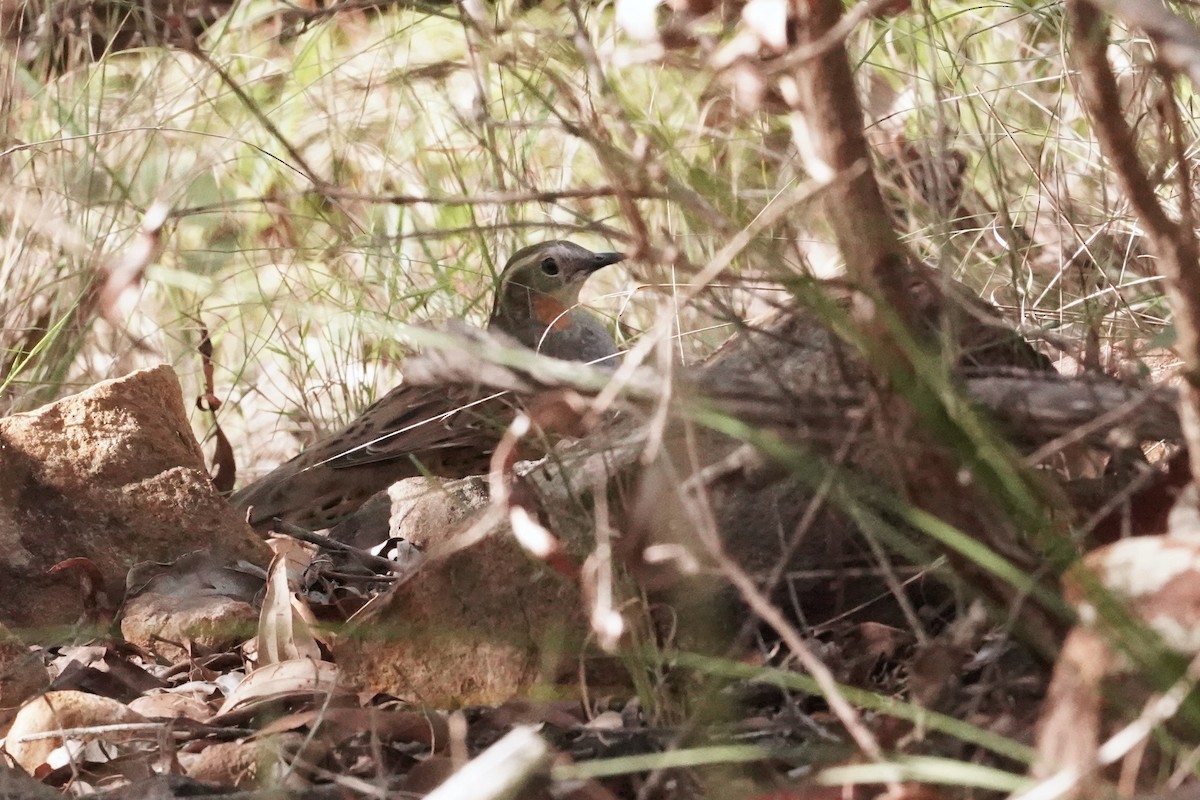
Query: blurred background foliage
[{"x": 331, "y": 171}]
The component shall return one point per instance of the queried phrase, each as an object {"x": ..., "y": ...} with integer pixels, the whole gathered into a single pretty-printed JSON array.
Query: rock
[
  {"x": 420, "y": 510},
  {"x": 250, "y": 763},
  {"x": 175, "y": 626},
  {"x": 196, "y": 605},
  {"x": 112, "y": 474},
  {"x": 480, "y": 622}
]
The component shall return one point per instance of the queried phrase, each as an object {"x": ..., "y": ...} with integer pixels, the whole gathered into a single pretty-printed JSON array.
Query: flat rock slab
[
  {"x": 480, "y": 622},
  {"x": 112, "y": 474}
]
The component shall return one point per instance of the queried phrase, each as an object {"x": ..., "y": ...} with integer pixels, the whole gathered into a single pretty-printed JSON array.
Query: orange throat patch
[{"x": 550, "y": 312}]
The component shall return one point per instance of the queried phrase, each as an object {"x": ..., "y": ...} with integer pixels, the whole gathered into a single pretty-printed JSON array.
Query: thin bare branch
[{"x": 1174, "y": 245}]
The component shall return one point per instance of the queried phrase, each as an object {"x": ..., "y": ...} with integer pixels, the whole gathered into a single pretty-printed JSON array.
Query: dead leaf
[
  {"x": 284, "y": 627},
  {"x": 122, "y": 272},
  {"x": 224, "y": 470},
  {"x": 58, "y": 711},
  {"x": 301, "y": 680},
  {"x": 169, "y": 705}
]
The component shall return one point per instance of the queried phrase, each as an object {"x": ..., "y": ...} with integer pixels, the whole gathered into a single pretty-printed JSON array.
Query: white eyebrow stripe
[{"x": 535, "y": 254}]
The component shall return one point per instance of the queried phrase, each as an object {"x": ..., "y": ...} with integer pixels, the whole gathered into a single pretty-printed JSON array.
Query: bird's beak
[{"x": 602, "y": 260}]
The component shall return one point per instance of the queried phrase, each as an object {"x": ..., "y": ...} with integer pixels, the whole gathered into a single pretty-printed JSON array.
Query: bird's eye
[{"x": 549, "y": 266}]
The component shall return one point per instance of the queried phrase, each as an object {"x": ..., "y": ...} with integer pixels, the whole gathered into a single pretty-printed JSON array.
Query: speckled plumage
[{"x": 416, "y": 430}]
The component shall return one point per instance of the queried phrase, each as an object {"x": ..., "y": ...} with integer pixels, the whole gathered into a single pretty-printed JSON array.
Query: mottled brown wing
[
  {"x": 419, "y": 421},
  {"x": 410, "y": 431}
]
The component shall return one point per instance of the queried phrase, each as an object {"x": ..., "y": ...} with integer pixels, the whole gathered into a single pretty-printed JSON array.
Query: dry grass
[{"x": 377, "y": 168}]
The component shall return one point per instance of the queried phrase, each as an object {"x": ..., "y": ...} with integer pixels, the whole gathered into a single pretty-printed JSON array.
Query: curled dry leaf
[
  {"x": 298, "y": 680},
  {"x": 59, "y": 711},
  {"x": 103, "y": 670},
  {"x": 224, "y": 469},
  {"x": 284, "y": 624},
  {"x": 1159, "y": 577},
  {"x": 170, "y": 705},
  {"x": 122, "y": 274}
]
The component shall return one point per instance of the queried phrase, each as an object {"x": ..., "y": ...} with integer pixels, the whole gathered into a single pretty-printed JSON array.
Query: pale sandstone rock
[
  {"x": 477, "y": 624},
  {"x": 276, "y": 760},
  {"x": 199, "y": 604},
  {"x": 176, "y": 626},
  {"x": 112, "y": 474}
]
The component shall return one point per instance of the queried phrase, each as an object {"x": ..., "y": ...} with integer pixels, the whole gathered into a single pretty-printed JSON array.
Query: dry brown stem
[
  {"x": 827, "y": 125},
  {"x": 1172, "y": 242}
]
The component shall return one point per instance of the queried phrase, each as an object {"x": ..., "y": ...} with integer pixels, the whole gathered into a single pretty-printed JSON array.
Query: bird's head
[{"x": 543, "y": 280}]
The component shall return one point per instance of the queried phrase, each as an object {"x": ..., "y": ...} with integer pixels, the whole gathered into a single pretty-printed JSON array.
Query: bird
[{"x": 427, "y": 430}]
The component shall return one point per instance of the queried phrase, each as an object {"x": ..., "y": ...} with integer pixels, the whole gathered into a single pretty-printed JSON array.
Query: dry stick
[
  {"x": 827, "y": 128},
  {"x": 1106, "y": 421},
  {"x": 1053, "y": 406},
  {"x": 499, "y": 198},
  {"x": 1173, "y": 243},
  {"x": 1041, "y": 406},
  {"x": 367, "y": 558},
  {"x": 98, "y": 730}
]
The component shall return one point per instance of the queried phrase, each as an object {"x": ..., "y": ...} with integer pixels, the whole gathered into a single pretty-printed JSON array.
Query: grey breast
[{"x": 585, "y": 339}]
